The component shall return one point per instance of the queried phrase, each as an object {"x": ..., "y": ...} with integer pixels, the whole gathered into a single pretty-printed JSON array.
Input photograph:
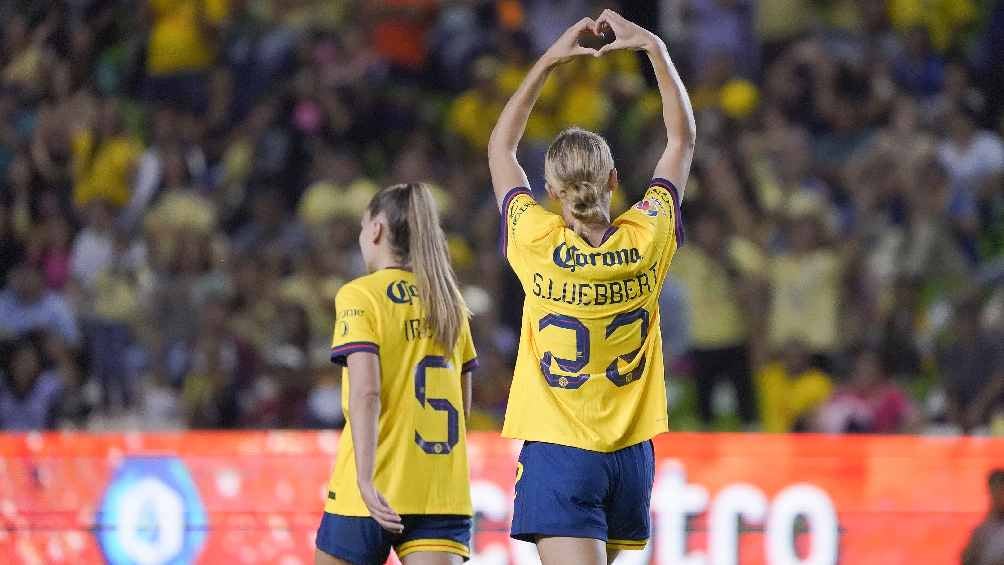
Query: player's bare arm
[
  {"x": 468, "y": 395},
  {"x": 677, "y": 113},
  {"x": 505, "y": 169},
  {"x": 364, "y": 412}
]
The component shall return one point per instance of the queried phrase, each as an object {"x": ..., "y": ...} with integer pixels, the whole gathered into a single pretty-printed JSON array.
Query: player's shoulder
[
  {"x": 644, "y": 215},
  {"x": 369, "y": 285},
  {"x": 384, "y": 287},
  {"x": 518, "y": 201},
  {"x": 526, "y": 221},
  {"x": 662, "y": 193},
  {"x": 518, "y": 193},
  {"x": 658, "y": 209},
  {"x": 360, "y": 286}
]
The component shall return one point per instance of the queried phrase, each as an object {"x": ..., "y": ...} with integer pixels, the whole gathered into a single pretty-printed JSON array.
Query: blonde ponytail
[
  {"x": 588, "y": 202},
  {"x": 430, "y": 260},
  {"x": 577, "y": 167},
  {"x": 417, "y": 239}
]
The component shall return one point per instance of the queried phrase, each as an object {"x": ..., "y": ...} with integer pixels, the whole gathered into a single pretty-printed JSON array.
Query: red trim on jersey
[{"x": 340, "y": 354}]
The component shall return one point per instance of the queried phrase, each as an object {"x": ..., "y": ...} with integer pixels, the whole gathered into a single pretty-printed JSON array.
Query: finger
[
  {"x": 579, "y": 51},
  {"x": 602, "y": 28},
  {"x": 583, "y": 24},
  {"x": 380, "y": 509},
  {"x": 386, "y": 520},
  {"x": 386, "y": 514},
  {"x": 612, "y": 19},
  {"x": 612, "y": 28},
  {"x": 610, "y": 14},
  {"x": 616, "y": 45},
  {"x": 572, "y": 34},
  {"x": 392, "y": 527},
  {"x": 386, "y": 517},
  {"x": 387, "y": 507}
]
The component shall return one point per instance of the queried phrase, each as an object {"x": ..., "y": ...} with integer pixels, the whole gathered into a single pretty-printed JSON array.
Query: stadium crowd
[{"x": 181, "y": 183}]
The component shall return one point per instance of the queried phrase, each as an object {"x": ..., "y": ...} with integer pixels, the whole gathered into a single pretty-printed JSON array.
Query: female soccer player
[
  {"x": 588, "y": 391},
  {"x": 401, "y": 477}
]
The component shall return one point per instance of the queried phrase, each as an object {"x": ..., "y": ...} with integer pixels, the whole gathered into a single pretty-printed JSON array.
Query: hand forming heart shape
[{"x": 596, "y": 36}]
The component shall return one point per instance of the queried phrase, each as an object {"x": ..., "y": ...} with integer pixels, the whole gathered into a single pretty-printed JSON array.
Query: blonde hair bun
[{"x": 577, "y": 167}]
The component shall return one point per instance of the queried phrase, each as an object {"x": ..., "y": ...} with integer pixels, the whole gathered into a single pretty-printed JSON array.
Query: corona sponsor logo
[
  {"x": 569, "y": 257},
  {"x": 402, "y": 292}
]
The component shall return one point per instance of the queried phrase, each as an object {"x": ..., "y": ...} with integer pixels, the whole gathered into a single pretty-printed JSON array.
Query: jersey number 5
[
  {"x": 582, "y": 350},
  {"x": 439, "y": 404}
]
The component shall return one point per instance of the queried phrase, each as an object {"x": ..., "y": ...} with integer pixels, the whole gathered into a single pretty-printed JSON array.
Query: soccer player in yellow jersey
[
  {"x": 401, "y": 476},
  {"x": 588, "y": 392}
]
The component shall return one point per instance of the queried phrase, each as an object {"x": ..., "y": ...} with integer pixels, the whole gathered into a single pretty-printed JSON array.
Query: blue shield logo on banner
[{"x": 151, "y": 514}]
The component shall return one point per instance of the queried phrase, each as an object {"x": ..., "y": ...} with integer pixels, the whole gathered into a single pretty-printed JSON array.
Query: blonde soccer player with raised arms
[
  {"x": 588, "y": 392},
  {"x": 401, "y": 476}
]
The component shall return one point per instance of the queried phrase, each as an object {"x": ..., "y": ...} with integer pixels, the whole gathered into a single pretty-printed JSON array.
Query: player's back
[
  {"x": 422, "y": 434},
  {"x": 589, "y": 371}
]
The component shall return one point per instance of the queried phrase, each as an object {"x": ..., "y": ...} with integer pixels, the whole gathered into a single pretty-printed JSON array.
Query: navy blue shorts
[
  {"x": 570, "y": 492},
  {"x": 361, "y": 541}
]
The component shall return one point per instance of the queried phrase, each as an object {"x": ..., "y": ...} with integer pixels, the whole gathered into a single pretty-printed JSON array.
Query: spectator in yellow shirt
[
  {"x": 790, "y": 390},
  {"x": 105, "y": 159},
  {"x": 715, "y": 272},
  {"x": 473, "y": 113},
  {"x": 805, "y": 283},
  {"x": 943, "y": 19},
  {"x": 181, "y": 48}
]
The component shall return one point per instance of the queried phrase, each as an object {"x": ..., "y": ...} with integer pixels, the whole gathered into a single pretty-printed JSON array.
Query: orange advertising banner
[{"x": 256, "y": 497}]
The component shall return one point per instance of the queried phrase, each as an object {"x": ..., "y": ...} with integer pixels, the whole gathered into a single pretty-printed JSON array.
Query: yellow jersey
[
  {"x": 105, "y": 171},
  {"x": 421, "y": 456},
  {"x": 589, "y": 369},
  {"x": 714, "y": 292},
  {"x": 177, "y": 43},
  {"x": 805, "y": 288}
]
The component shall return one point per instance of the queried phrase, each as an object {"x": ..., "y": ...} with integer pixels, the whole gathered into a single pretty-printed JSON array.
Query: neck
[
  {"x": 593, "y": 233},
  {"x": 390, "y": 263}
]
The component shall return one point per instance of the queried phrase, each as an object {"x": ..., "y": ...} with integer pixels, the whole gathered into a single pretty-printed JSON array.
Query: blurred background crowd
[{"x": 181, "y": 183}]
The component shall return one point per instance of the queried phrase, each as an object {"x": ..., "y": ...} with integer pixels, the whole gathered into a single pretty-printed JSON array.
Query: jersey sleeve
[
  {"x": 355, "y": 325},
  {"x": 470, "y": 355},
  {"x": 661, "y": 205},
  {"x": 523, "y": 220}
]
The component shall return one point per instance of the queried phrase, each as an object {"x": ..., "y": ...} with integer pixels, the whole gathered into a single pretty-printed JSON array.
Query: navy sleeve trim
[
  {"x": 470, "y": 366},
  {"x": 504, "y": 211},
  {"x": 340, "y": 354},
  {"x": 681, "y": 234}
]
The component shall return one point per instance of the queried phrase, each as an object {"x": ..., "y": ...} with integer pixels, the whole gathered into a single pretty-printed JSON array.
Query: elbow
[
  {"x": 689, "y": 134},
  {"x": 685, "y": 140},
  {"x": 682, "y": 133},
  {"x": 495, "y": 147},
  {"x": 499, "y": 143},
  {"x": 494, "y": 140},
  {"x": 365, "y": 400},
  {"x": 690, "y": 140}
]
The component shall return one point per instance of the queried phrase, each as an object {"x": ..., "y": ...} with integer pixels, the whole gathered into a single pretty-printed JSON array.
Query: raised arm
[
  {"x": 505, "y": 169},
  {"x": 678, "y": 115}
]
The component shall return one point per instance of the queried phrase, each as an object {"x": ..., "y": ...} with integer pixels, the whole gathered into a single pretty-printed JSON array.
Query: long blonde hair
[
  {"x": 416, "y": 237},
  {"x": 577, "y": 168}
]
